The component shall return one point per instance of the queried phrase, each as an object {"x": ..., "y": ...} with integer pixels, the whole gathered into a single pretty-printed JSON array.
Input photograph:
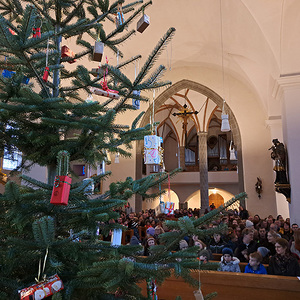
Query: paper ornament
[
  {"x": 104, "y": 93},
  {"x": 116, "y": 237},
  {"x": 42, "y": 289},
  {"x": 66, "y": 52},
  {"x": 36, "y": 32},
  {"x": 62, "y": 182},
  {"x": 9, "y": 74},
  {"x": 136, "y": 102},
  {"x": 143, "y": 23},
  {"x": 152, "y": 149},
  {"x": 120, "y": 17},
  {"x": 98, "y": 51},
  {"x": 46, "y": 74},
  {"x": 169, "y": 208}
]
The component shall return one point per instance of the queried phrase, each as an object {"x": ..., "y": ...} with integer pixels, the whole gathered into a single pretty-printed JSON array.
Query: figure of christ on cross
[{"x": 185, "y": 114}]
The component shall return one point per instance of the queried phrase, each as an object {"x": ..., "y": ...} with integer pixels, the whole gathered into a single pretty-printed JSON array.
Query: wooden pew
[
  {"x": 231, "y": 286},
  {"x": 126, "y": 236},
  {"x": 217, "y": 256}
]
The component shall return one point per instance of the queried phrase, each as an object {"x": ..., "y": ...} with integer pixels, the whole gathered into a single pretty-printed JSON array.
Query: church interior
[{"x": 234, "y": 58}]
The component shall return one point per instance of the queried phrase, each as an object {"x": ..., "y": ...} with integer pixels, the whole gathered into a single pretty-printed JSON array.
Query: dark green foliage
[{"x": 43, "y": 118}]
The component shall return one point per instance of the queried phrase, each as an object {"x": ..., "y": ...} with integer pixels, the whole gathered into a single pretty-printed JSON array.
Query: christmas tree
[{"x": 44, "y": 117}]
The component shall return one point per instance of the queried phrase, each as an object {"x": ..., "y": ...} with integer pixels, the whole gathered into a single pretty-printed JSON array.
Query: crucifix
[{"x": 185, "y": 114}]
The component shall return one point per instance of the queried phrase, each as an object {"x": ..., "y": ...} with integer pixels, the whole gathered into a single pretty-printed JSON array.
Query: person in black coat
[
  {"x": 283, "y": 263},
  {"x": 244, "y": 215},
  {"x": 246, "y": 245}
]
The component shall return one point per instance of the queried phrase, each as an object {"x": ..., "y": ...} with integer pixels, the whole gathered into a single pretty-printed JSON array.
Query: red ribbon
[
  {"x": 104, "y": 82},
  {"x": 57, "y": 181}
]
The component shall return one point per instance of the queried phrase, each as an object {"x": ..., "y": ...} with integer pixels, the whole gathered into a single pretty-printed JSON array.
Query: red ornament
[
  {"x": 36, "y": 32},
  {"x": 66, "y": 52},
  {"x": 42, "y": 289},
  {"x": 61, "y": 190},
  {"x": 11, "y": 31},
  {"x": 46, "y": 74}
]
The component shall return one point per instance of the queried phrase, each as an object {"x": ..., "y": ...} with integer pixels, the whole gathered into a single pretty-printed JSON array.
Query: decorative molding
[{"x": 285, "y": 83}]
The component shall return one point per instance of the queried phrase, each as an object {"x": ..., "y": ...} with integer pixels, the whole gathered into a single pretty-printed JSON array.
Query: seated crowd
[{"x": 248, "y": 239}]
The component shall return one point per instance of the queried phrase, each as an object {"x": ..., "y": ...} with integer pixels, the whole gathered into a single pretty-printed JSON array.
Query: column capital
[
  {"x": 285, "y": 83},
  {"x": 204, "y": 133}
]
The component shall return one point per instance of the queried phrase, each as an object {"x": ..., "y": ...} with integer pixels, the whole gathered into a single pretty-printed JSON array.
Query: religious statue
[
  {"x": 258, "y": 187},
  {"x": 279, "y": 156}
]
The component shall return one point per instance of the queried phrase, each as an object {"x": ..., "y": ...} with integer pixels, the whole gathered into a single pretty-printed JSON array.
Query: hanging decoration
[
  {"x": 9, "y": 74},
  {"x": 90, "y": 99},
  {"x": 44, "y": 287},
  {"x": 169, "y": 206},
  {"x": 225, "y": 127},
  {"x": 62, "y": 182},
  {"x": 152, "y": 289},
  {"x": 153, "y": 152},
  {"x": 105, "y": 91},
  {"x": 232, "y": 151},
  {"x": 136, "y": 102},
  {"x": 46, "y": 71},
  {"x": 143, "y": 22},
  {"x": 120, "y": 17},
  {"x": 67, "y": 52},
  {"x": 11, "y": 31},
  {"x": 198, "y": 294},
  {"x": 98, "y": 50},
  {"x": 36, "y": 30},
  {"x": 97, "y": 72},
  {"x": 116, "y": 237},
  {"x": 135, "y": 93},
  {"x": 117, "y": 158}
]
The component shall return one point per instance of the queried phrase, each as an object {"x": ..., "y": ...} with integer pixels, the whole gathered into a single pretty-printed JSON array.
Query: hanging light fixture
[{"x": 225, "y": 127}]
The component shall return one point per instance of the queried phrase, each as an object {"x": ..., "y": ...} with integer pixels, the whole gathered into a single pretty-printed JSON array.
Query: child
[
  {"x": 255, "y": 265},
  {"x": 228, "y": 262},
  {"x": 204, "y": 256}
]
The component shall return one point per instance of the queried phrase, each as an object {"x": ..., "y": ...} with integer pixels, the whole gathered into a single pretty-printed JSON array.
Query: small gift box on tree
[
  {"x": 67, "y": 52},
  {"x": 98, "y": 50},
  {"x": 62, "y": 182},
  {"x": 169, "y": 208},
  {"x": 143, "y": 23}
]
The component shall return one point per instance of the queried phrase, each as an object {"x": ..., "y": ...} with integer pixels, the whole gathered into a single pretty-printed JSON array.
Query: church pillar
[
  {"x": 182, "y": 157},
  {"x": 203, "y": 170},
  {"x": 138, "y": 203},
  {"x": 288, "y": 92}
]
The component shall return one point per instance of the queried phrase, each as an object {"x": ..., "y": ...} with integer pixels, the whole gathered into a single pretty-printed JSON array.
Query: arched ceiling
[
  {"x": 203, "y": 107},
  {"x": 260, "y": 39}
]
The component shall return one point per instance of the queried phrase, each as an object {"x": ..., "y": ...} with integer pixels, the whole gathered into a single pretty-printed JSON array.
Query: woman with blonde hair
[{"x": 272, "y": 236}]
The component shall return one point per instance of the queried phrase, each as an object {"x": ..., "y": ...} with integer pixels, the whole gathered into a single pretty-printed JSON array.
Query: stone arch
[
  {"x": 217, "y": 99},
  {"x": 195, "y": 197},
  {"x": 155, "y": 202}
]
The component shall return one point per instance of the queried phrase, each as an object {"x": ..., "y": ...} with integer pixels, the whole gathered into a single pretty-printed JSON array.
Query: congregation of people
[{"x": 272, "y": 242}]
